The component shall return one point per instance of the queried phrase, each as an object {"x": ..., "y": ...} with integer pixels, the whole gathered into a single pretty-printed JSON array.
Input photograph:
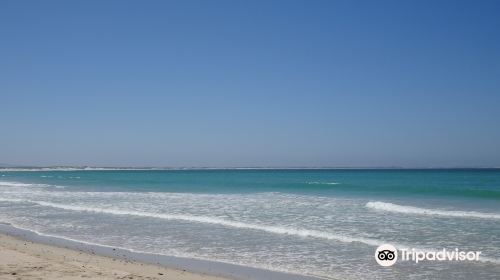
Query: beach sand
[{"x": 20, "y": 259}]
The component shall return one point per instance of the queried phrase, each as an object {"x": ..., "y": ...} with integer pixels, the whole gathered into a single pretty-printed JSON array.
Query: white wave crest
[
  {"x": 322, "y": 183},
  {"x": 208, "y": 220},
  {"x": 390, "y": 207},
  {"x": 18, "y": 184},
  {"x": 24, "y": 185}
]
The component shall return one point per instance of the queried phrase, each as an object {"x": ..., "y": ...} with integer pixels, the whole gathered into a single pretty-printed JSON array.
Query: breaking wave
[
  {"x": 391, "y": 207},
  {"x": 305, "y": 233}
]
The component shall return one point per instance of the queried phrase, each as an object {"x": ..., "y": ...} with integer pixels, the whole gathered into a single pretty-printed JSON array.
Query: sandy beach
[{"x": 20, "y": 259}]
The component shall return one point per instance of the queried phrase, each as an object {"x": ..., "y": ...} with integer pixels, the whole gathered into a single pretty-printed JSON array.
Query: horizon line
[{"x": 97, "y": 168}]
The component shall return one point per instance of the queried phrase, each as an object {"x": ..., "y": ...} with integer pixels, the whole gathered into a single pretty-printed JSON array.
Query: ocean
[{"x": 320, "y": 223}]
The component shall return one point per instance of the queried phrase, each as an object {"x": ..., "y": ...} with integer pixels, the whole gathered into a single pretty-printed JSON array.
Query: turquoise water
[{"x": 323, "y": 223}]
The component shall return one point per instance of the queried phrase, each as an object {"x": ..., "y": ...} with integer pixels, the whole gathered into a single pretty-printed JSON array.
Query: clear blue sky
[{"x": 250, "y": 83}]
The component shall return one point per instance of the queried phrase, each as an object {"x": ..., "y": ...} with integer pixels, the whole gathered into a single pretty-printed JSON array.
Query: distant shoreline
[{"x": 88, "y": 168}]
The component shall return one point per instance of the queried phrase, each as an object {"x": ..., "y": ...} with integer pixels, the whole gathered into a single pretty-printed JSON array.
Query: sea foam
[
  {"x": 391, "y": 207},
  {"x": 305, "y": 233},
  {"x": 28, "y": 185},
  {"x": 18, "y": 184},
  {"x": 322, "y": 183}
]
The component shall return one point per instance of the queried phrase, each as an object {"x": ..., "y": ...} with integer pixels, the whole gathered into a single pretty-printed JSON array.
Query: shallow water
[{"x": 323, "y": 223}]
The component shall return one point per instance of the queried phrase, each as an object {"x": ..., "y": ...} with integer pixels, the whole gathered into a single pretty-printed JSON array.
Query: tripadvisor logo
[{"x": 387, "y": 255}]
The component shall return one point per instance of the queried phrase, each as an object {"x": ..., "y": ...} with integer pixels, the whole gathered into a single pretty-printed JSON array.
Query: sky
[{"x": 250, "y": 83}]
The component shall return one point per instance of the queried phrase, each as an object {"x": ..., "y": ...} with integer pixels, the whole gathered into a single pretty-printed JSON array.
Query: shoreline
[{"x": 107, "y": 260}]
